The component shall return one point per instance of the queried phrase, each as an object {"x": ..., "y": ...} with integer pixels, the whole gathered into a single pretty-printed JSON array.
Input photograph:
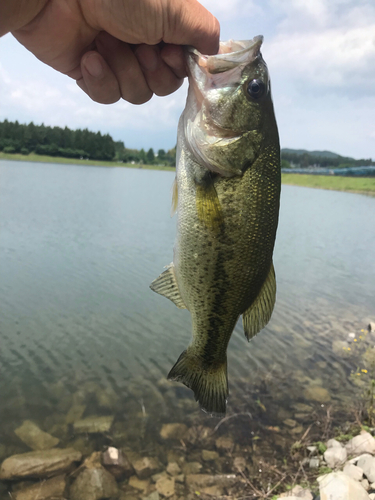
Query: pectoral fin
[
  {"x": 166, "y": 285},
  {"x": 259, "y": 313},
  {"x": 208, "y": 206}
]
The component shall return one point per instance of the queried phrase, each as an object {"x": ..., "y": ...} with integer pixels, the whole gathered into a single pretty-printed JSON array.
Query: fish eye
[{"x": 256, "y": 88}]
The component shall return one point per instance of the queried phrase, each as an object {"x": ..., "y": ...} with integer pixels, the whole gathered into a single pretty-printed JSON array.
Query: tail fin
[{"x": 210, "y": 385}]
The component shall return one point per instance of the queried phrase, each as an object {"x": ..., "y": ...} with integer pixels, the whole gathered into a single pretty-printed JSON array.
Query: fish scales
[{"x": 227, "y": 212}]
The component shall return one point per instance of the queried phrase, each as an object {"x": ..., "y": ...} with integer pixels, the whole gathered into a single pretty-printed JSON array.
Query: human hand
[{"x": 115, "y": 48}]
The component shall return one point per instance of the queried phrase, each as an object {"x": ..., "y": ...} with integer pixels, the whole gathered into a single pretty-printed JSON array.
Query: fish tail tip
[{"x": 210, "y": 386}]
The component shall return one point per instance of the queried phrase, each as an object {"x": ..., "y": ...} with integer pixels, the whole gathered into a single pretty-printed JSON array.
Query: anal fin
[
  {"x": 259, "y": 313},
  {"x": 166, "y": 285}
]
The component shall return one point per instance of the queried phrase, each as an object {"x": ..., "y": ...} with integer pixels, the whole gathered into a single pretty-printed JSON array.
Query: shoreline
[{"x": 355, "y": 185}]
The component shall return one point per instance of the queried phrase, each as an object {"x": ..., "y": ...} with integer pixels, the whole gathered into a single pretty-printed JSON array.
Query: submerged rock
[
  {"x": 39, "y": 464},
  {"x": 213, "y": 491},
  {"x": 192, "y": 468},
  {"x": 173, "y": 431},
  {"x": 166, "y": 486},
  {"x": 208, "y": 456},
  {"x": 316, "y": 393},
  {"x": 146, "y": 467},
  {"x": 93, "y": 482},
  {"x": 45, "y": 490},
  {"x": 224, "y": 443},
  {"x": 240, "y": 464},
  {"x": 94, "y": 424},
  {"x": 204, "y": 480},
  {"x": 117, "y": 463},
  {"x": 75, "y": 413},
  {"x": 34, "y": 437},
  {"x": 339, "y": 485},
  {"x": 173, "y": 469},
  {"x": 139, "y": 484}
]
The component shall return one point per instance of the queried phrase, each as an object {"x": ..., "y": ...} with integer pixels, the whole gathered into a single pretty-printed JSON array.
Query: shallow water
[{"x": 79, "y": 247}]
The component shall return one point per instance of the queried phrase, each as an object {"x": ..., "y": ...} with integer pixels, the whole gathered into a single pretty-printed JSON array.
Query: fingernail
[
  {"x": 148, "y": 57},
  {"x": 93, "y": 65}
]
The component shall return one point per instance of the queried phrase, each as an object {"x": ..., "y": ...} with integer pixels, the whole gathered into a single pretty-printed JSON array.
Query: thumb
[{"x": 189, "y": 23}]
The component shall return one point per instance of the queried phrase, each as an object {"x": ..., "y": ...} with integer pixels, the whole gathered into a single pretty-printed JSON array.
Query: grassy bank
[
  {"x": 351, "y": 184},
  {"x": 354, "y": 184},
  {"x": 74, "y": 161}
]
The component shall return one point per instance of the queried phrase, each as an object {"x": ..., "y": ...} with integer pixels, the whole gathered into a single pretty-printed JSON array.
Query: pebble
[
  {"x": 335, "y": 456},
  {"x": 289, "y": 422},
  {"x": 367, "y": 464},
  {"x": 363, "y": 443},
  {"x": 139, "y": 484},
  {"x": 209, "y": 456},
  {"x": 298, "y": 493},
  {"x": 312, "y": 449},
  {"x": 146, "y": 467},
  {"x": 240, "y": 464},
  {"x": 166, "y": 486},
  {"x": 173, "y": 469},
  {"x": 224, "y": 443},
  {"x": 338, "y": 485},
  {"x": 173, "y": 431},
  {"x": 353, "y": 471},
  {"x": 332, "y": 443},
  {"x": 314, "y": 463}
]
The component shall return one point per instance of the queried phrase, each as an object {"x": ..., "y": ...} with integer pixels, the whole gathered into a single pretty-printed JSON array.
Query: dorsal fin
[
  {"x": 259, "y": 313},
  {"x": 166, "y": 285}
]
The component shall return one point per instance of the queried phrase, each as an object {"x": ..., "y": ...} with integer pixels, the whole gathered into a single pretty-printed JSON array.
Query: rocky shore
[{"x": 91, "y": 447}]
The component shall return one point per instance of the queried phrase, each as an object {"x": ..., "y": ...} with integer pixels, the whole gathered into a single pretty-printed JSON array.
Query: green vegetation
[
  {"x": 336, "y": 183},
  {"x": 300, "y": 158},
  {"x": 55, "y": 159},
  {"x": 57, "y": 142}
]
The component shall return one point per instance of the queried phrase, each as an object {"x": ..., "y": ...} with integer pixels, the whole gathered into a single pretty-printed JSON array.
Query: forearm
[{"x": 14, "y": 14}]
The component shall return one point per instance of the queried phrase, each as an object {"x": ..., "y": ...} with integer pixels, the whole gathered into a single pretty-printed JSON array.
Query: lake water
[{"x": 79, "y": 247}]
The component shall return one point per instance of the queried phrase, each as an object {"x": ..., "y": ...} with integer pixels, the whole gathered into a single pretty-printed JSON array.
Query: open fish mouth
[
  {"x": 231, "y": 55},
  {"x": 224, "y": 69}
]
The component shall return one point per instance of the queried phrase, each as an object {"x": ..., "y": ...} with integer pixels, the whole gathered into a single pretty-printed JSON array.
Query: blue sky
[{"x": 321, "y": 58}]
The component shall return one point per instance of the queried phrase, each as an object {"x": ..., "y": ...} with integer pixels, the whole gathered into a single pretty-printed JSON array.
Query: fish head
[{"x": 229, "y": 107}]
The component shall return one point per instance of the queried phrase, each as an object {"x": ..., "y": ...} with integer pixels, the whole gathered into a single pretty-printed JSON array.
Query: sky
[{"x": 321, "y": 59}]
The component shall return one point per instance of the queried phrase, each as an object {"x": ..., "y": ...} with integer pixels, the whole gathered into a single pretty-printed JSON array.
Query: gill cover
[{"x": 213, "y": 82}]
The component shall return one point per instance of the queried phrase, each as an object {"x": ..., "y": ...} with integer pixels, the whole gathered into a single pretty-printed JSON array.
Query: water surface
[{"x": 79, "y": 247}]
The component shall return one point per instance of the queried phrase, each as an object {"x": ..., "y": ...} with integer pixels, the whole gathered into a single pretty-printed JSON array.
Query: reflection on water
[{"x": 80, "y": 326}]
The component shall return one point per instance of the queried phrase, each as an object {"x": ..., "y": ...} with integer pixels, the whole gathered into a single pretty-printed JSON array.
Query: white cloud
[{"x": 332, "y": 58}]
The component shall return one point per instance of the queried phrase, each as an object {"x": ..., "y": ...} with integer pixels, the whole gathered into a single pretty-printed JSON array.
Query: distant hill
[
  {"x": 323, "y": 154},
  {"x": 302, "y": 158}
]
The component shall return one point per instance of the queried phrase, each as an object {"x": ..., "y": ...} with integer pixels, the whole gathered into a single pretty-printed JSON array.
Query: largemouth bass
[{"x": 226, "y": 192}]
